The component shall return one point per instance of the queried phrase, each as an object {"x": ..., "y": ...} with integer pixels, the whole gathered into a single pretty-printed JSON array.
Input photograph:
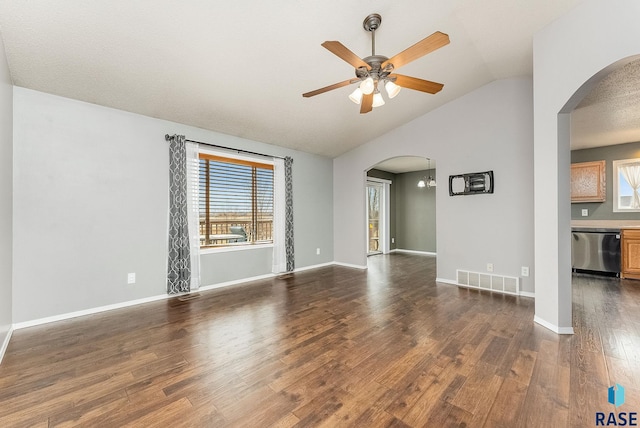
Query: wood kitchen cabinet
[
  {"x": 630, "y": 254},
  {"x": 588, "y": 182}
]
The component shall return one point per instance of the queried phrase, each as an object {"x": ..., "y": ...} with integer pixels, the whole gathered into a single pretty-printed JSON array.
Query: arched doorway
[
  {"x": 401, "y": 205},
  {"x": 563, "y": 73}
]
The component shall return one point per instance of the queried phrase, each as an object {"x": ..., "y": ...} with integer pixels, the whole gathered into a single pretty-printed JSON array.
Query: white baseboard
[
  {"x": 234, "y": 282},
  {"x": 302, "y": 269},
  {"x": 425, "y": 253},
  {"x": 447, "y": 281},
  {"x": 99, "y": 309},
  {"x": 349, "y": 265},
  {"x": 5, "y": 344},
  {"x": 528, "y": 294},
  {"x": 61, "y": 317},
  {"x": 259, "y": 277},
  {"x": 552, "y": 327},
  {"x": 91, "y": 311}
]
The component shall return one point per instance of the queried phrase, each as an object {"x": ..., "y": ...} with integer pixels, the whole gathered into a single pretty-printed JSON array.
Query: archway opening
[
  {"x": 602, "y": 121},
  {"x": 400, "y": 199}
]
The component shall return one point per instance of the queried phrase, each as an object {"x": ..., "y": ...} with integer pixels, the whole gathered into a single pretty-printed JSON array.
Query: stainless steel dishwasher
[{"x": 596, "y": 250}]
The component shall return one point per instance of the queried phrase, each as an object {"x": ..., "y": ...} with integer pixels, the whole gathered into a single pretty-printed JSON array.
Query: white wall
[
  {"x": 488, "y": 129},
  {"x": 91, "y": 205},
  {"x": 570, "y": 55},
  {"x": 6, "y": 197}
]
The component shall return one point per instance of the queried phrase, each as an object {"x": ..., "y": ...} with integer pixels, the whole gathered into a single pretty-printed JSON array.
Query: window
[
  {"x": 235, "y": 201},
  {"x": 626, "y": 183}
]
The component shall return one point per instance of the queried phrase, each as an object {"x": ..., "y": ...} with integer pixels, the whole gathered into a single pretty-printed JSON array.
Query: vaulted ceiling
[{"x": 240, "y": 67}]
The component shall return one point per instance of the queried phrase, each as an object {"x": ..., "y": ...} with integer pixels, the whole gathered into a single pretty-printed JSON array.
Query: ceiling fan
[{"x": 376, "y": 69}]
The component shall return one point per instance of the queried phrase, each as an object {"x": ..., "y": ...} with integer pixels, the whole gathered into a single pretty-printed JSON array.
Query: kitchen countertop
[{"x": 605, "y": 224}]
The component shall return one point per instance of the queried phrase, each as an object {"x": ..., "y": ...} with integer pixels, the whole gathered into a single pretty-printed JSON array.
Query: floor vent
[
  {"x": 485, "y": 281},
  {"x": 187, "y": 297}
]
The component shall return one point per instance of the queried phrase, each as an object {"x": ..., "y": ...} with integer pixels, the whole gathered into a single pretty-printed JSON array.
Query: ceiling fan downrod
[{"x": 371, "y": 23}]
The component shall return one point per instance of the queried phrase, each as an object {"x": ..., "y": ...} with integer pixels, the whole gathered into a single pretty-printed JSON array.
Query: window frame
[
  {"x": 240, "y": 159},
  {"x": 616, "y": 185}
]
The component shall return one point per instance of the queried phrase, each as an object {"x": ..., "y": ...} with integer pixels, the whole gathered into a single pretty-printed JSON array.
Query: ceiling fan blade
[
  {"x": 423, "y": 47},
  {"x": 417, "y": 84},
  {"x": 329, "y": 88},
  {"x": 343, "y": 52},
  {"x": 366, "y": 105}
]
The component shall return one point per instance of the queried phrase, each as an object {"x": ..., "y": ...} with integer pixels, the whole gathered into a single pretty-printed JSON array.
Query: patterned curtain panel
[
  {"x": 288, "y": 162},
  {"x": 179, "y": 265},
  {"x": 279, "y": 217}
]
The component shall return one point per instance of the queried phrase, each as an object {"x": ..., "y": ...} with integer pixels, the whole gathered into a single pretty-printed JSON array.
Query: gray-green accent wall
[
  {"x": 604, "y": 210},
  {"x": 416, "y": 216}
]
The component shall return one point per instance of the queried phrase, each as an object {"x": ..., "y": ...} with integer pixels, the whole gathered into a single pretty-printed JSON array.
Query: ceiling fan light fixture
[
  {"x": 367, "y": 86},
  {"x": 356, "y": 96},
  {"x": 392, "y": 89},
  {"x": 377, "y": 99},
  {"x": 373, "y": 70}
]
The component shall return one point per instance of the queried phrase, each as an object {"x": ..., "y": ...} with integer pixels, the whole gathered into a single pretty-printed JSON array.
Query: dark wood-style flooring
[{"x": 330, "y": 347}]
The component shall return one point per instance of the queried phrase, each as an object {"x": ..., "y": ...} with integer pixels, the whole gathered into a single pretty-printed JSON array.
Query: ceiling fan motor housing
[{"x": 376, "y": 72}]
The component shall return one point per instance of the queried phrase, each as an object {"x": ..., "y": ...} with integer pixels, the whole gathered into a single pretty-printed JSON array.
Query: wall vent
[{"x": 485, "y": 281}]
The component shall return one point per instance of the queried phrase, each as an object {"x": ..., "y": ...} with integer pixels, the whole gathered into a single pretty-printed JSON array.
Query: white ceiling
[{"x": 240, "y": 67}]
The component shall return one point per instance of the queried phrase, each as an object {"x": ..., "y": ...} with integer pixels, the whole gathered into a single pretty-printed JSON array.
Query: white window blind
[{"x": 235, "y": 201}]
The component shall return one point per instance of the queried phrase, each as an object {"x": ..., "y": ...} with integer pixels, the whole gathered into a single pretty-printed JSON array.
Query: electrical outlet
[
  {"x": 393, "y": 240},
  {"x": 524, "y": 271},
  {"x": 489, "y": 267},
  {"x": 317, "y": 251},
  {"x": 131, "y": 278},
  {"x": 585, "y": 212}
]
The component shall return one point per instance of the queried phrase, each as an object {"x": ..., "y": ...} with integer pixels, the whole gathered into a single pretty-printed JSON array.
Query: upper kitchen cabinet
[{"x": 588, "y": 182}]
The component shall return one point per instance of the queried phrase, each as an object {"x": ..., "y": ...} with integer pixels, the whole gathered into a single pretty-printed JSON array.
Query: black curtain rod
[{"x": 168, "y": 137}]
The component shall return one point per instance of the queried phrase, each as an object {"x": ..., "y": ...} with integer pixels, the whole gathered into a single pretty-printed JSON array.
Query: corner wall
[
  {"x": 6, "y": 200},
  {"x": 91, "y": 204},
  {"x": 490, "y": 128},
  {"x": 563, "y": 72}
]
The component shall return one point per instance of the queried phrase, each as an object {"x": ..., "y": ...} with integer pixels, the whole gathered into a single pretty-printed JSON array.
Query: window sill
[
  {"x": 626, "y": 210},
  {"x": 234, "y": 248}
]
